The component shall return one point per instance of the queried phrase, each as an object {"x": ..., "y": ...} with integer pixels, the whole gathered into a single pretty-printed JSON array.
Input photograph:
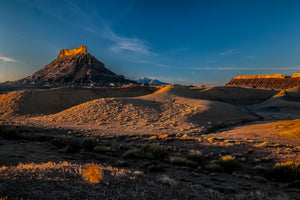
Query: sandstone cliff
[
  {"x": 276, "y": 81},
  {"x": 69, "y": 53},
  {"x": 296, "y": 75},
  {"x": 260, "y": 76}
]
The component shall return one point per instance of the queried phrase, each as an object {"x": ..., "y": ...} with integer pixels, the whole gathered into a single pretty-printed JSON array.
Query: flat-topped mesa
[
  {"x": 68, "y": 53},
  {"x": 260, "y": 76},
  {"x": 296, "y": 75}
]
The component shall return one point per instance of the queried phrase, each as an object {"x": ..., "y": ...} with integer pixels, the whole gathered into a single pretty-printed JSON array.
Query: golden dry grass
[
  {"x": 92, "y": 173},
  {"x": 227, "y": 158},
  {"x": 288, "y": 128}
]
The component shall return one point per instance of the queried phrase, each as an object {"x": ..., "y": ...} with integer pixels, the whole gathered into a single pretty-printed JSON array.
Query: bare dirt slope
[
  {"x": 163, "y": 107},
  {"x": 47, "y": 101},
  {"x": 232, "y": 95},
  {"x": 284, "y": 105}
]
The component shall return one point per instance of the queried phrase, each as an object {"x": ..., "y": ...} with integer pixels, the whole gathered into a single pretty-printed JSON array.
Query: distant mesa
[
  {"x": 75, "y": 67},
  {"x": 149, "y": 81},
  {"x": 273, "y": 81},
  {"x": 259, "y": 76}
]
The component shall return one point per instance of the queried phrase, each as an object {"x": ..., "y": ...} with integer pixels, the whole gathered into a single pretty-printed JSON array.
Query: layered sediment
[
  {"x": 69, "y": 53},
  {"x": 275, "y": 81}
]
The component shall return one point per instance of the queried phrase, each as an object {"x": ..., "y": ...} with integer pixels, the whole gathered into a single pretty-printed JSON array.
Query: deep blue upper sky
[{"x": 181, "y": 41}]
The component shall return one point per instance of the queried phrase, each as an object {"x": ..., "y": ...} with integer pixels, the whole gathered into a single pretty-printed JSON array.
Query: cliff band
[
  {"x": 274, "y": 81},
  {"x": 69, "y": 53}
]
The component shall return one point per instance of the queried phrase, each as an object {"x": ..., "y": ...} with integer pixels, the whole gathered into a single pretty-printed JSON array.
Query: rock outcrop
[
  {"x": 276, "y": 81},
  {"x": 260, "y": 76},
  {"x": 69, "y": 53},
  {"x": 75, "y": 67},
  {"x": 296, "y": 75}
]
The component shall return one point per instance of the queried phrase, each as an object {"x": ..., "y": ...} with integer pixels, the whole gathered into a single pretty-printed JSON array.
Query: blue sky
[{"x": 187, "y": 41}]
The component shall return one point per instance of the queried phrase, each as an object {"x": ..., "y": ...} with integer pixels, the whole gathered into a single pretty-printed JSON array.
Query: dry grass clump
[
  {"x": 62, "y": 170},
  {"x": 228, "y": 163},
  {"x": 284, "y": 172},
  {"x": 92, "y": 173}
]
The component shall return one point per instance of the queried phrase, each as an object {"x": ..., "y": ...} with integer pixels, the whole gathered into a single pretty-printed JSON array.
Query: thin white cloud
[
  {"x": 128, "y": 44},
  {"x": 7, "y": 59},
  {"x": 229, "y": 52}
]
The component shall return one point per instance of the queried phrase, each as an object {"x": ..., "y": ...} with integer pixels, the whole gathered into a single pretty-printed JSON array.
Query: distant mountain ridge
[
  {"x": 75, "y": 67},
  {"x": 151, "y": 81}
]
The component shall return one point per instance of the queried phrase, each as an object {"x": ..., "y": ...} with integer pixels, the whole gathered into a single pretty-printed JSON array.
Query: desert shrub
[
  {"x": 107, "y": 142},
  {"x": 228, "y": 163},
  {"x": 68, "y": 144},
  {"x": 132, "y": 154},
  {"x": 14, "y": 133},
  {"x": 103, "y": 149},
  {"x": 250, "y": 151},
  {"x": 194, "y": 155},
  {"x": 92, "y": 173},
  {"x": 284, "y": 172},
  {"x": 10, "y": 132},
  {"x": 215, "y": 167},
  {"x": 153, "y": 151},
  {"x": 181, "y": 161},
  {"x": 89, "y": 143}
]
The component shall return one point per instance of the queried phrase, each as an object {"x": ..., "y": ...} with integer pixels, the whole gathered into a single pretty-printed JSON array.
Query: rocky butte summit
[{"x": 75, "y": 67}]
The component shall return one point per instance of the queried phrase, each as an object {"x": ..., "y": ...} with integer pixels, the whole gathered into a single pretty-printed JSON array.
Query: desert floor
[{"x": 174, "y": 142}]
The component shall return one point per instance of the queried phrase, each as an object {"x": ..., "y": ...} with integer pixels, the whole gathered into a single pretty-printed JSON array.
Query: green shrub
[
  {"x": 89, "y": 143},
  {"x": 284, "y": 172},
  {"x": 183, "y": 162},
  {"x": 132, "y": 154},
  {"x": 13, "y": 133},
  {"x": 10, "y": 132},
  {"x": 103, "y": 149},
  {"x": 194, "y": 155},
  {"x": 68, "y": 144},
  {"x": 153, "y": 151},
  {"x": 215, "y": 167}
]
